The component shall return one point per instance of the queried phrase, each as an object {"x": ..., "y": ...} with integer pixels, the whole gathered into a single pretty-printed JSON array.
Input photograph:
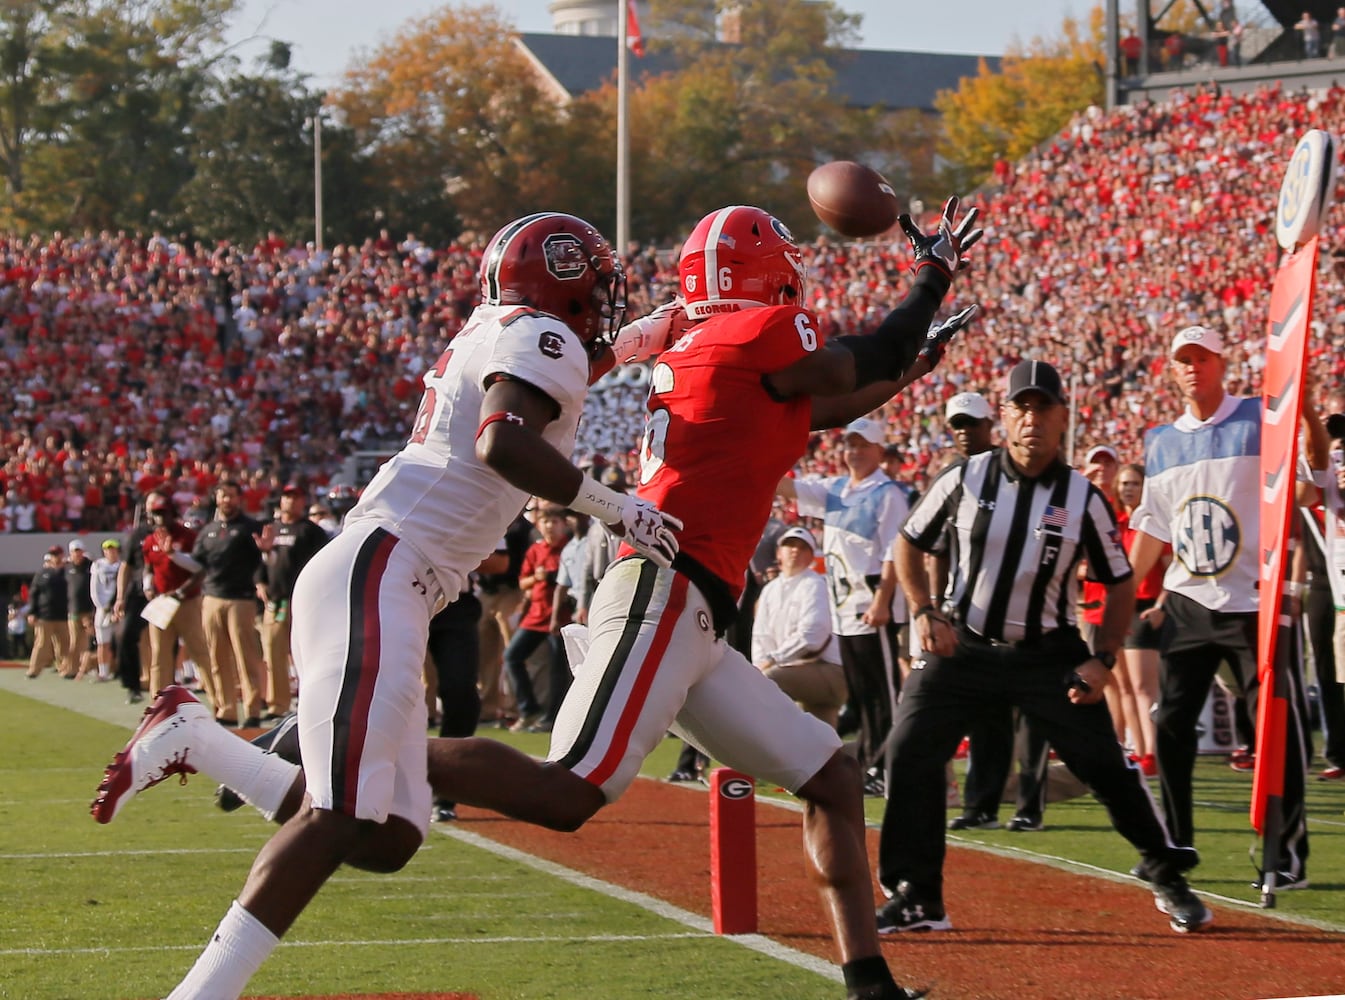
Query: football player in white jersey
[{"x": 495, "y": 425}]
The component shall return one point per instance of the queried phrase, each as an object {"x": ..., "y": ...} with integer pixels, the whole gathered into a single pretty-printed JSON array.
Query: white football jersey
[{"x": 435, "y": 494}]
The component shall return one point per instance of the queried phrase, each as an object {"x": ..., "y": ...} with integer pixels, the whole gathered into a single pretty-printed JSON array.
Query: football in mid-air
[{"x": 852, "y": 199}]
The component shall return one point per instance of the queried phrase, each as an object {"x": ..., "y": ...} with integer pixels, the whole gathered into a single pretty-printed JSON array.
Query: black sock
[{"x": 868, "y": 977}]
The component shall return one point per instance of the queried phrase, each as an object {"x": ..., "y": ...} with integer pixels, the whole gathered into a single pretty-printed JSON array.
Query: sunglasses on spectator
[{"x": 963, "y": 423}]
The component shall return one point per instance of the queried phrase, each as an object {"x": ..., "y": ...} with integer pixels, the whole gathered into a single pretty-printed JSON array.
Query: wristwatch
[{"x": 1108, "y": 660}]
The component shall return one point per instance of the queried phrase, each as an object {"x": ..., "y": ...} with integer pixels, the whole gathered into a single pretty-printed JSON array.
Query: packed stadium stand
[{"x": 132, "y": 362}]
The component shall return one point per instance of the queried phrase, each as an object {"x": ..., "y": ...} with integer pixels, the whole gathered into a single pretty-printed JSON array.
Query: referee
[{"x": 1019, "y": 520}]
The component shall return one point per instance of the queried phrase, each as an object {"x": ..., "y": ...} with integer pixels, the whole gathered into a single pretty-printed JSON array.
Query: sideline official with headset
[{"x": 1019, "y": 520}]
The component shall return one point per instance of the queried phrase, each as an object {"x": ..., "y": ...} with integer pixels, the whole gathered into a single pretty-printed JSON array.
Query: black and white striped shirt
[{"x": 1015, "y": 543}]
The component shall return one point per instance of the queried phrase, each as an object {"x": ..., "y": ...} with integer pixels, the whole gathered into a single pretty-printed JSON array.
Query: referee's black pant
[
  {"x": 1194, "y": 641},
  {"x": 944, "y": 696}
]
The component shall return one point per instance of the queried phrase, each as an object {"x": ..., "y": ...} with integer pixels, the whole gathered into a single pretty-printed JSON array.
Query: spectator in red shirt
[
  {"x": 537, "y": 579},
  {"x": 175, "y": 574}
]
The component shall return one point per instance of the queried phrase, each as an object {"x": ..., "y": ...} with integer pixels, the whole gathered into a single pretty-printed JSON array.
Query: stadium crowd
[{"x": 135, "y": 362}]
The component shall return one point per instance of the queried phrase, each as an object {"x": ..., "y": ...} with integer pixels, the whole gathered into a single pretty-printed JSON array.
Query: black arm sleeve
[{"x": 886, "y": 353}]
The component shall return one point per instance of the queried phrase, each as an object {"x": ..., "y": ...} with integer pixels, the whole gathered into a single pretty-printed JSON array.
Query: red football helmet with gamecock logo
[
  {"x": 557, "y": 264},
  {"x": 740, "y": 258}
]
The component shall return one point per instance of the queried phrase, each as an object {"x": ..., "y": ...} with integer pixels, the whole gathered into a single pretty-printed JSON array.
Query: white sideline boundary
[
  {"x": 371, "y": 943},
  {"x": 753, "y": 942}
]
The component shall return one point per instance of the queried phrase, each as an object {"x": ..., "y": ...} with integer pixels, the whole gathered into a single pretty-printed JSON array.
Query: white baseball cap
[
  {"x": 1100, "y": 449},
  {"x": 870, "y": 430},
  {"x": 968, "y": 404},
  {"x": 799, "y": 535},
  {"x": 1200, "y": 336},
  {"x": 75, "y": 546}
]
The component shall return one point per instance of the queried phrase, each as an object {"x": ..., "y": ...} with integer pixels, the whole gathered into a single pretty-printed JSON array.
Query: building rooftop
[{"x": 866, "y": 77}]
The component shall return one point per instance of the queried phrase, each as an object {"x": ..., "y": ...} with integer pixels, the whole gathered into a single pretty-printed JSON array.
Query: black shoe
[
  {"x": 444, "y": 812},
  {"x": 974, "y": 820},
  {"x": 1179, "y": 859},
  {"x": 886, "y": 991},
  {"x": 1025, "y": 824},
  {"x": 907, "y": 912},
  {"x": 684, "y": 777},
  {"x": 1175, "y": 898},
  {"x": 252, "y": 722},
  {"x": 281, "y": 740},
  {"x": 875, "y": 785},
  {"x": 1284, "y": 881},
  {"x": 134, "y": 697}
]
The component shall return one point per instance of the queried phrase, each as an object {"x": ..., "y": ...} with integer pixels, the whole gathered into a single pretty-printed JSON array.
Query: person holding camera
[
  {"x": 1018, "y": 521},
  {"x": 537, "y": 578}
]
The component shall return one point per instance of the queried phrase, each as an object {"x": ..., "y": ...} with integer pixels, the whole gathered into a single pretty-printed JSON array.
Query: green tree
[
  {"x": 24, "y": 47},
  {"x": 1035, "y": 93},
  {"x": 116, "y": 84},
  {"x": 252, "y": 160}
]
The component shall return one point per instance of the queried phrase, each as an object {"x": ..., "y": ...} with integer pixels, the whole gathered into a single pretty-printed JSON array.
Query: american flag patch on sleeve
[{"x": 1054, "y": 517}]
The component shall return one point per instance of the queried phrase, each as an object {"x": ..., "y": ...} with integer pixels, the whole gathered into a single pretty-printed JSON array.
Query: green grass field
[{"x": 121, "y": 911}]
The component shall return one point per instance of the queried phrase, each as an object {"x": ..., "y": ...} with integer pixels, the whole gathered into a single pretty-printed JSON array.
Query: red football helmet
[
  {"x": 557, "y": 264},
  {"x": 740, "y": 258}
]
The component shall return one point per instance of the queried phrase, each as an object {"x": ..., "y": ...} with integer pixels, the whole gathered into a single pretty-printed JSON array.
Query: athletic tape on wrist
[{"x": 598, "y": 501}]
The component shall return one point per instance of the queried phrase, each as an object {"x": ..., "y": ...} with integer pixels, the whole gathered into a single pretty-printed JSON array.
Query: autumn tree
[
  {"x": 1035, "y": 93},
  {"x": 455, "y": 121},
  {"x": 742, "y": 122}
]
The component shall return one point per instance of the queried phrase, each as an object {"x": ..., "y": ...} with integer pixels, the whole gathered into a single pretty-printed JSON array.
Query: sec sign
[{"x": 1306, "y": 192}]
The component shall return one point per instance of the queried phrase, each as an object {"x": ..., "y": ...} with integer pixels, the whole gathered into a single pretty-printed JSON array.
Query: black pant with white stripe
[
  {"x": 1195, "y": 640},
  {"x": 944, "y": 696},
  {"x": 871, "y": 674}
]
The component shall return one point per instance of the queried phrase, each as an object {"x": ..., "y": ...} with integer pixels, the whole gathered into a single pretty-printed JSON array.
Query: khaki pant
[
  {"x": 186, "y": 625},
  {"x": 818, "y": 687},
  {"x": 231, "y": 635},
  {"x": 494, "y": 631},
  {"x": 276, "y": 643},
  {"x": 80, "y": 628},
  {"x": 51, "y": 647}
]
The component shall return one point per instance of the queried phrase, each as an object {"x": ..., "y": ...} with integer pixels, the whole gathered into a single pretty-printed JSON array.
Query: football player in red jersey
[{"x": 731, "y": 405}]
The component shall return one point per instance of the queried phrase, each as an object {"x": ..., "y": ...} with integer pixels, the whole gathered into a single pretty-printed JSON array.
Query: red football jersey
[{"x": 716, "y": 443}]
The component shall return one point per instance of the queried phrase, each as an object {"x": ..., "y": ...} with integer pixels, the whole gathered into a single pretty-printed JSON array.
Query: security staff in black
[
  {"x": 227, "y": 549},
  {"x": 1019, "y": 521}
]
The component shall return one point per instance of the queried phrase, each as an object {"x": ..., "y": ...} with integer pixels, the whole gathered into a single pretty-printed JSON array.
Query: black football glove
[
  {"x": 943, "y": 248},
  {"x": 936, "y": 340}
]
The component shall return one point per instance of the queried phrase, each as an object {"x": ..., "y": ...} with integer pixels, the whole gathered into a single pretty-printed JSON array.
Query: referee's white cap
[{"x": 1198, "y": 336}]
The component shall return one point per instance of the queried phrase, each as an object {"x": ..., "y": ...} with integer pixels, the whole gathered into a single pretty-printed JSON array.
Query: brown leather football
[{"x": 852, "y": 199}]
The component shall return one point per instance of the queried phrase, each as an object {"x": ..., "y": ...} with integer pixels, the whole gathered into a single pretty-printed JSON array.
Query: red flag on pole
[
  {"x": 1282, "y": 403},
  {"x": 633, "y": 37}
]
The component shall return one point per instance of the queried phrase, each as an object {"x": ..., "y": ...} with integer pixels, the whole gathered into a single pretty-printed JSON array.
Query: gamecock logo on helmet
[{"x": 565, "y": 257}]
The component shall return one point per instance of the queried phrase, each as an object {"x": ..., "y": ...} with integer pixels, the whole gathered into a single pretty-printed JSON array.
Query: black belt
[{"x": 966, "y": 635}]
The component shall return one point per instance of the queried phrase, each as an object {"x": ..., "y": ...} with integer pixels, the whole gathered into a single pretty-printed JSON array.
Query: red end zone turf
[{"x": 1020, "y": 929}]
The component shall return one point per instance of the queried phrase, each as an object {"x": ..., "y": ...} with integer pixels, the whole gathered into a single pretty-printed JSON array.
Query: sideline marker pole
[{"x": 733, "y": 852}]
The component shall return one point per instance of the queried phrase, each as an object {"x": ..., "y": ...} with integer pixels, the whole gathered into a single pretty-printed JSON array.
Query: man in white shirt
[
  {"x": 792, "y": 642},
  {"x": 1202, "y": 494}
]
